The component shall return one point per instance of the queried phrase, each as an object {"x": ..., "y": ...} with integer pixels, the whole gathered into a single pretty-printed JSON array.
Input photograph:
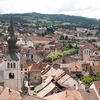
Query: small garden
[
  {"x": 89, "y": 79},
  {"x": 58, "y": 55}
]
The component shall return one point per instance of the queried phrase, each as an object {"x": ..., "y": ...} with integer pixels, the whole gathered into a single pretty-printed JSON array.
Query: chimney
[
  {"x": 66, "y": 94},
  {"x": 63, "y": 60},
  {"x": 9, "y": 91}
]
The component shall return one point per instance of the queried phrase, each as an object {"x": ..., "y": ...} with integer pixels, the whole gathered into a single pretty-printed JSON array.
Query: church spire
[
  {"x": 11, "y": 27},
  {"x": 11, "y": 39}
]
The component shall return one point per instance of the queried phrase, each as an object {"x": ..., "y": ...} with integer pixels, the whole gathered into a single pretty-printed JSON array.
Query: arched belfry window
[
  {"x": 11, "y": 65},
  {"x": 8, "y": 65},
  {"x": 11, "y": 75},
  {"x": 14, "y": 65}
]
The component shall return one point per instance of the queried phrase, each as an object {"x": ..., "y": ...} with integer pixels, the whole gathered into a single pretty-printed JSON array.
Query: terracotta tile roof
[
  {"x": 44, "y": 84},
  {"x": 48, "y": 73},
  {"x": 46, "y": 90},
  {"x": 87, "y": 45},
  {"x": 75, "y": 66},
  {"x": 32, "y": 98},
  {"x": 38, "y": 66},
  {"x": 13, "y": 95},
  {"x": 64, "y": 78},
  {"x": 88, "y": 95},
  {"x": 67, "y": 60},
  {"x": 1, "y": 89},
  {"x": 97, "y": 84},
  {"x": 58, "y": 73},
  {"x": 37, "y": 38},
  {"x": 97, "y": 68},
  {"x": 65, "y": 95},
  {"x": 83, "y": 42},
  {"x": 54, "y": 73}
]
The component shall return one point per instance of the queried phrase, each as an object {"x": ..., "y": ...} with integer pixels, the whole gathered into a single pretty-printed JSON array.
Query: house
[
  {"x": 43, "y": 84},
  {"x": 68, "y": 82},
  {"x": 82, "y": 30},
  {"x": 88, "y": 94},
  {"x": 51, "y": 88},
  {"x": 46, "y": 90},
  {"x": 55, "y": 73},
  {"x": 96, "y": 66},
  {"x": 86, "y": 50},
  {"x": 32, "y": 98},
  {"x": 65, "y": 95},
  {"x": 79, "y": 68},
  {"x": 64, "y": 60},
  {"x": 44, "y": 40},
  {"x": 34, "y": 74},
  {"x": 9, "y": 94}
]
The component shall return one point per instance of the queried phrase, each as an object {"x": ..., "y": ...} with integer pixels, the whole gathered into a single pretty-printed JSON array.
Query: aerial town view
[{"x": 49, "y": 49}]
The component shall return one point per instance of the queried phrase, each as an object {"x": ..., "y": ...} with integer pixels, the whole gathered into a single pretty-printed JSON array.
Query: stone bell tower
[{"x": 12, "y": 71}]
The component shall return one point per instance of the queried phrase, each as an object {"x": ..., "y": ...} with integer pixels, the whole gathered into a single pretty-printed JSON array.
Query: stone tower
[{"x": 12, "y": 71}]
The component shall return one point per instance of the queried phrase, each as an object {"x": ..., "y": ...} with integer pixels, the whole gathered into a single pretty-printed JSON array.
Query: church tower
[{"x": 12, "y": 71}]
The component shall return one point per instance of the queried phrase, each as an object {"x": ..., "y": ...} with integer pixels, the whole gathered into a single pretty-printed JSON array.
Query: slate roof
[{"x": 11, "y": 56}]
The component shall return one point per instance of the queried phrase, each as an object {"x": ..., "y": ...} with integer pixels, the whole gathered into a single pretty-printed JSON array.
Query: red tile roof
[
  {"x": 38, "y": 66},
  {"x": 88, "y": 95},
  {"x": 97, "y": 84}
]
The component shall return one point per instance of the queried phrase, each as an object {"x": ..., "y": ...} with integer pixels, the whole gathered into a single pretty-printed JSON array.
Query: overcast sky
[{"x": 87, "y": 8}]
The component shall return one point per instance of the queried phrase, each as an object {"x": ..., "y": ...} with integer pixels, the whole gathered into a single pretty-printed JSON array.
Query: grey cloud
[{"x": 65, "y": 9}]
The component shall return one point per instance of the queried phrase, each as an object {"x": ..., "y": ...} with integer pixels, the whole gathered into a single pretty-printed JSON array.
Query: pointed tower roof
[
  {"x": 11, "y": 39},
  {"x": 11, "y": 27}
]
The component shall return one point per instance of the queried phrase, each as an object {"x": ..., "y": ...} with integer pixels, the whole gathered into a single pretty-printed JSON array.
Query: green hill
[{"x": 50, "y": 19}]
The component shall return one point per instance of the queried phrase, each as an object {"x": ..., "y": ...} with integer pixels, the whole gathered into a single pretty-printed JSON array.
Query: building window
[
  {"x": 25, "y": 73},
  {"x": 14, "y": 65},
  {"x": 8, "y": 65},
  {"x": 11, "y": 75},
  {"x": 11, "y": 65},
  {"x": 87, "y": 51},
  {"x": 21, "y": 67},
  {"x": 35, "y": 77}
]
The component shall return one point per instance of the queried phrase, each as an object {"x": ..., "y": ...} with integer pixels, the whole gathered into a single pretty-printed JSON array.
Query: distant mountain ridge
[{"x": 50, "y": 19}]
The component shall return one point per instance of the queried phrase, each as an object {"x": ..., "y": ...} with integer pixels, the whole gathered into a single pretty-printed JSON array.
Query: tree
[
  {"x": 87, "y": 80},
  {"x": 97, "y": 78},
  {"x": 66, "y": 37},
  {"x": 50, "y": 30},
  {"x": 98, "y": 33},
  {"x": 69, "y": 46},
  {"x": 61, "y": 37},
  {"x": 48, "y": 60}
]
